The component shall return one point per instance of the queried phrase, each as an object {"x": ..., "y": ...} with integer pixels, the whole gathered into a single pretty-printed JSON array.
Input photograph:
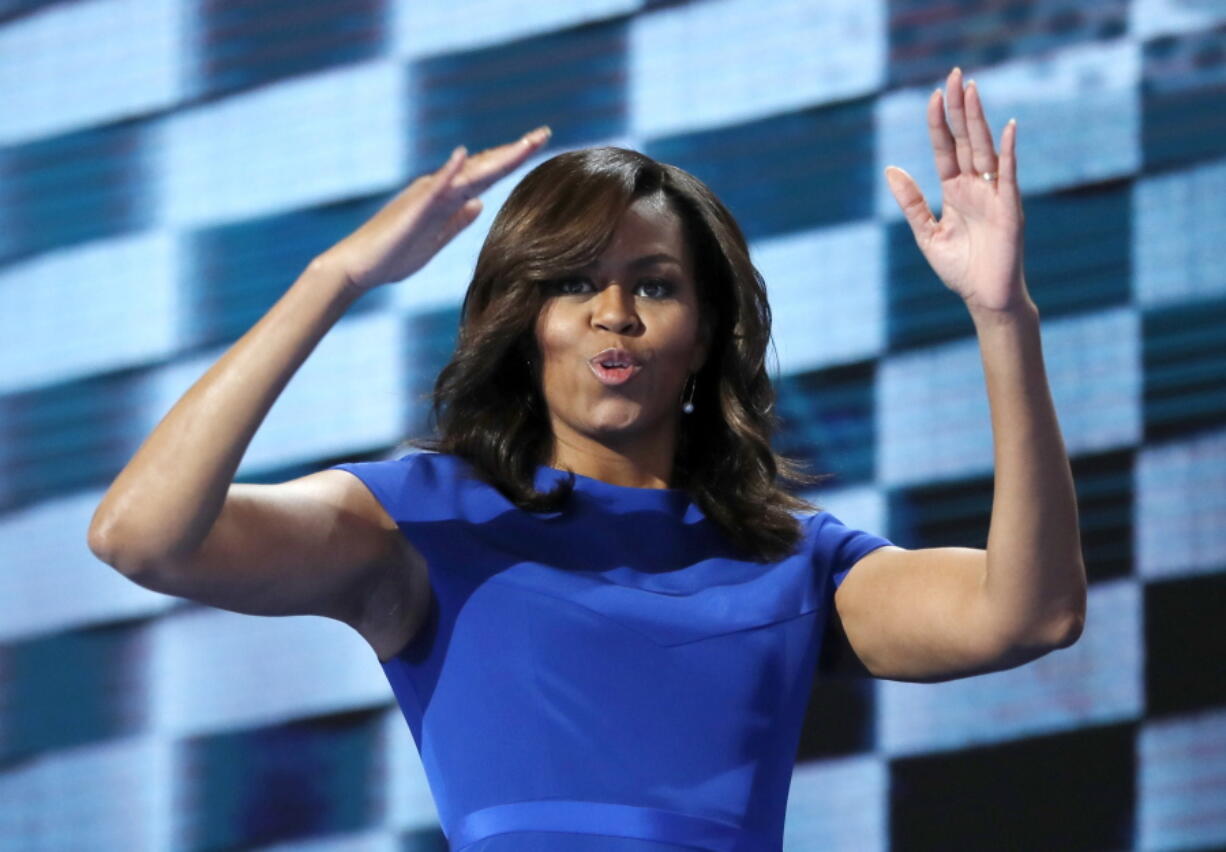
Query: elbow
[
  {"x": 1066, "y": 630},
  {"x": 101, "y": 542},
  {"x": 102, "y": 539},
  {"x": 1071, "y": 628},
  {"x": 1054, "y": 633},
  {"x": 1076, "y": 618},
  {"x": 1068, "y": 627},
  {"x": 1054, "y": 636}
]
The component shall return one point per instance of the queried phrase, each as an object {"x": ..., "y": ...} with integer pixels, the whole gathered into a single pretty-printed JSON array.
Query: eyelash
[{"x": 665, "y": 285}]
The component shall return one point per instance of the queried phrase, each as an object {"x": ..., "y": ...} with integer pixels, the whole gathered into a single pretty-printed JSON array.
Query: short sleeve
[
  {"x": 382, "y": 478},
  {"x": 408, "y": 487},
  {"x": 837, "y": 547}
]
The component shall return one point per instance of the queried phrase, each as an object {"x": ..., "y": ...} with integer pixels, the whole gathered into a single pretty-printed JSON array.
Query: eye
[
  {"x": 663, "y": 287},
  {"x": 563, "y": 285},
  {"x": 655, "y": 288}
]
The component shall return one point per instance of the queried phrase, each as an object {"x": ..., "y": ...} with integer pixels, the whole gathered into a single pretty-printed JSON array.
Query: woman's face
[{"x": 640, "y": 298}]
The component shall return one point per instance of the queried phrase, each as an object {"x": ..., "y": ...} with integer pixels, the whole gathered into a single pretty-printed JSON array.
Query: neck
[{"x": 633, "y": 463}]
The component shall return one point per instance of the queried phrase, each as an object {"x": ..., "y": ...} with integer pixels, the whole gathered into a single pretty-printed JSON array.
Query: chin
[
  {"x": 621, "y": 419},
  {"x": 607, "y": 416},
  {"x": 611, "y": 426}
]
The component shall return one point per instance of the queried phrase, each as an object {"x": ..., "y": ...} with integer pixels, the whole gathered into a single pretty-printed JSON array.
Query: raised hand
[
  {"x": 423, "y": 217},
  {"x": 976, "y": 247}
]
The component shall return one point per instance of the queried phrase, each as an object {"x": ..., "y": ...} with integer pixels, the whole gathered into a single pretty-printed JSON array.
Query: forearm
[
  {"x": 166, "y": 499},
  {"x": 1035, "y": 581}
]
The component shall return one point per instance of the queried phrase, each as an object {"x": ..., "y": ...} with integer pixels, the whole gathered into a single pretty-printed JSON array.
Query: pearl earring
[{"x": 688, "y": 404}]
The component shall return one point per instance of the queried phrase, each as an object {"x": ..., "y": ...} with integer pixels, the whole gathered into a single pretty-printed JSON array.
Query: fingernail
[
  {"x": 459, "y": 150},
  {"x": 957, "y": 70},
  {"x": 970, "y": 82}
]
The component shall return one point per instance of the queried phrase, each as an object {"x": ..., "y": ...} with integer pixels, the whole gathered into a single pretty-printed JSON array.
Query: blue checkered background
[{"x": 168, "y": 168}]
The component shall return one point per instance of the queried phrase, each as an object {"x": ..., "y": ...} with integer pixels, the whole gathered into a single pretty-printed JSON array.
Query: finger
[
  {"x": 493, "y": 164},
  {"x": 516, "y": 151},
  {"x": 459, "y": 220},
  {"x": 428, "y": 199},
  {"x": 957, "y": 120},
  {"x": 983, "y": 151},
  {"x": 1006, "y": 183},
  {"x": 423, "y": 193},
  {"x": 942, "y": 139},
  {"x": 911, "y": 200},
  {"x": 446, "y": 173}
]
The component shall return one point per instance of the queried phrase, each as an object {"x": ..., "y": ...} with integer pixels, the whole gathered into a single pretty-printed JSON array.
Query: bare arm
[
  {"x": 941, "y": 613},
  {"x": 173, "y": 520},
  {"x": 163, "y": 503}
]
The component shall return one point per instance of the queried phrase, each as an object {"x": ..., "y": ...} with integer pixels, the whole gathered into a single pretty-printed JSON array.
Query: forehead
[{"x": 648, "y": 225}]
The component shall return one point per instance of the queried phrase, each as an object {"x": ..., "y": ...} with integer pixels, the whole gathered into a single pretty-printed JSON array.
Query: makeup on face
[
  {"x": 619, "y": 338},
  {"x": 615, "y": 367}
]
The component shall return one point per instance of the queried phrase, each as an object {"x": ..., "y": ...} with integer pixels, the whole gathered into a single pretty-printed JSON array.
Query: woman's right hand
[{"x": 423, "y": 217}]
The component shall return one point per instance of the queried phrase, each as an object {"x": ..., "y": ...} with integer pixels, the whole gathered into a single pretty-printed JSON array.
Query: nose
[{"x": 614, "y": 310}]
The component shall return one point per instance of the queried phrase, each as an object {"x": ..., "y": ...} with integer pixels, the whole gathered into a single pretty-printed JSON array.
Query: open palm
[
  {"x": 976, "y": 247},
  {"x": 423, "y": 217}
]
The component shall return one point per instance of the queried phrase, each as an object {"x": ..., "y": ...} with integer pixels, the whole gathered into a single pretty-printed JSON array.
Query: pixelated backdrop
[{"x": 169, "y": 167}]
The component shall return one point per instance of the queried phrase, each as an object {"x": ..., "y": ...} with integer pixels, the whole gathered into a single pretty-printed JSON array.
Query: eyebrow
[{"x": 647, "y": 260}]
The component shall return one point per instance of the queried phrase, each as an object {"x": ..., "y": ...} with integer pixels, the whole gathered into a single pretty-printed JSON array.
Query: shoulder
[
  {"x": 829, "y": 532},
  {"x": 415, "y": 466},
  {"x": 406, "y": 482},
  {"x": 834, "y": 547}
]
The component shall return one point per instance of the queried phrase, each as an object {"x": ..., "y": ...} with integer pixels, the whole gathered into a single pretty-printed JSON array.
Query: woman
[{"x": 597, "y": 608}]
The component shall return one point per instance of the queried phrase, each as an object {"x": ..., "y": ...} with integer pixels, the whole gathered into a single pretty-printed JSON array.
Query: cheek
[
  {"x": 682, "y": 339},
  {"x": 558, "y": 348},
  {"x": 550, "y": 343},
  {"x": 546, "y": 331}
]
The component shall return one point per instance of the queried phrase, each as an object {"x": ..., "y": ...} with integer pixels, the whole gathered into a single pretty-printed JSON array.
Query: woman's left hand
[{"x": 976, "y": 248}]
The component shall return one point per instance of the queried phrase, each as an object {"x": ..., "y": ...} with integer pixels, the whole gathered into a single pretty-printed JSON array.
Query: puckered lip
[{"x": 622, "y": 356}]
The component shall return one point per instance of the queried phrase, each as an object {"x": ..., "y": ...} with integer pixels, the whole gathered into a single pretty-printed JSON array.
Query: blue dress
[{"x": 607, "y": 678}]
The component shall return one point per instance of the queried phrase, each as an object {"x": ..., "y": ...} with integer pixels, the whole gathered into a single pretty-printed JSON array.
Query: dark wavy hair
[{"x": 488, "y": 406}]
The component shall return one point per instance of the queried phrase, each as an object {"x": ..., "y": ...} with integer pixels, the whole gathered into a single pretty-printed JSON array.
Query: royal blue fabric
[{"x": 609, "y": 677}]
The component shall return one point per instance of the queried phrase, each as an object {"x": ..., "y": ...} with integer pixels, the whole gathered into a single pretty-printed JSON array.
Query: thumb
[{"x": 907, "y": 193}]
